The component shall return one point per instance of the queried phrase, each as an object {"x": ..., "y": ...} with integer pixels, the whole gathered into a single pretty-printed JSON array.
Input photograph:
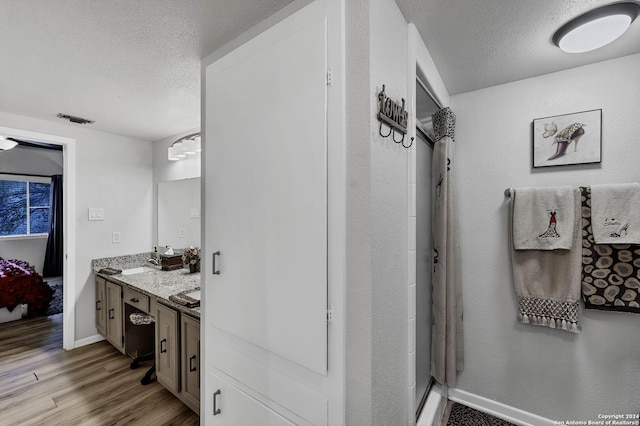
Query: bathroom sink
[{"x": 138, "y": 270}]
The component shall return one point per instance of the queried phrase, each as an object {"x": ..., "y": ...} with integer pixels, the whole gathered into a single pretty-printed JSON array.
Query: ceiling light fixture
[
  {"x": 186, "y": 145},
  {"x": 596, "y": 28},
  {"x": 7, "y": 144}
]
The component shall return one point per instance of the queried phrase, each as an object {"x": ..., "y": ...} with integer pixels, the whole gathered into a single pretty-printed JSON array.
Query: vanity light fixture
[
  {"x": 596, "y": 28},
  {"x": 185, "y": 146},
  {"x": 178, "y": 146},
  {"x": 171, "y": 155},
  {"x": 7, "y": 144},
  {"x": 189, "y": 147}
]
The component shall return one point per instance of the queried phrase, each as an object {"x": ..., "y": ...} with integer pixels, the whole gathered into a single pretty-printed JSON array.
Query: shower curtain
[{"x": 446, "y": 341}]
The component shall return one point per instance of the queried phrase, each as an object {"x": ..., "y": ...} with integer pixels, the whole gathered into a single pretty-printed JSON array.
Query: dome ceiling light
[{"x": 596, "y": 28}]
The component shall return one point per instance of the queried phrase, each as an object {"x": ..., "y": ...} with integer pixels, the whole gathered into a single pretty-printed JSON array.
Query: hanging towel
[
  {"x": 547, "y": 282},
  {"x": 610, "y": 272},
  {"x": 614, "y": 213},
  {"x": 543, "y": 218}
]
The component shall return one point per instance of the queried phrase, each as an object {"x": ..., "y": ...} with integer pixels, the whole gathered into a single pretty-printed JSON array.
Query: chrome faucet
[{"x": 154, "y": 262}]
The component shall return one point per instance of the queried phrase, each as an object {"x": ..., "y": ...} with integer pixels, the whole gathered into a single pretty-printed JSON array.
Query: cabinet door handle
[
  {"x": 191, "y": 367},
  {"x": 162, "y": 348},
  {"x": 98, "y": 305},
  {"x": 216, "y": 410},
  {"x": 134, "y": 300},
  {"x": 111, "y": 314},
  {"x": 215, "y": 272}
]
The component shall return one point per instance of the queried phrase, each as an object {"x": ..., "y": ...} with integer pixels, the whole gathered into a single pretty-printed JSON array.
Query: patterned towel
[
  {"x": 547, "y": 282},
  {"x": 183, "y": 299},
  {"x": 110, "y": 271},
  {"x": 610, "y": 272}
]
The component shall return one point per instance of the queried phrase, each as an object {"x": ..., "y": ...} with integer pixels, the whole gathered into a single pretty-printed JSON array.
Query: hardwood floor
[{"x": 41, "y": 384}]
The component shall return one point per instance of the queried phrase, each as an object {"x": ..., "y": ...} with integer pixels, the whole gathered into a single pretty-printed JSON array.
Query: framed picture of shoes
[{"x": 574, "y": 138}]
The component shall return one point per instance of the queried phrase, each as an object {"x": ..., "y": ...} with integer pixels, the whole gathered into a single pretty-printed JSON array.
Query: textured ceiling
[
  {"x": 482, "y": 43},
  {"x": 133, "y": 66}
]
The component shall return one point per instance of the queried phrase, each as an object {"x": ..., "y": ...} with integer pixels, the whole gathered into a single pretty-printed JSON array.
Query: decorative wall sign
[
  {"x": 392, "y": 114},
  {"x": 555, "y": 139}
]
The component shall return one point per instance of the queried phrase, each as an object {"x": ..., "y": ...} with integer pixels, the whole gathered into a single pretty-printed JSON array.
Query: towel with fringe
[
  {"x": 547, "y": 282},
  {"x": 614, "y": 213},
  {"x": 543, "y": 218}
]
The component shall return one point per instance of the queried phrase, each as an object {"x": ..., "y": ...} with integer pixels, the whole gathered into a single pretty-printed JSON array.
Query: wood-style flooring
[{"x": 41, "y": 384}]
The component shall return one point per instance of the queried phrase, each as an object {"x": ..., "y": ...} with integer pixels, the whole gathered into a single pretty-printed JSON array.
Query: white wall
[
  {"x": 551, "y": 373},
  {"x": 377, "y": 210},
  {"x": 358, "y": 293},
  {"x": 389, "y": 207},
  {"x": 113, "y": 172},
  {"x": 165, "y": 170},
  {"x": 30, "y": 161}
]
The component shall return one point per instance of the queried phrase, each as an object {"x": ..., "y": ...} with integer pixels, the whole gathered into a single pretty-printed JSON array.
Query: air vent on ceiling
[{"x": 74, "y": 119}]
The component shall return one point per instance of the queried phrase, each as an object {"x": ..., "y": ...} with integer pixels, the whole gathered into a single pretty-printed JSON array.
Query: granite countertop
[{"x": 156, "y": 283}]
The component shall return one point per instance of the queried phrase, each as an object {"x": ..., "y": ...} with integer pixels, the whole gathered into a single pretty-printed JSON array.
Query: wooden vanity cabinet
[
  {"x": 101, "y": 306},
  {"x": 190, "y": 348},
  {"x": 114, "y": 326},
  {"x": 178, "y": 354},
  {"x": 167, "y": 347},
  {"x": 177, "y": 337}
]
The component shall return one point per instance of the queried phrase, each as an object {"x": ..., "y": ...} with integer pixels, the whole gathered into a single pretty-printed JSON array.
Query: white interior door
[{"x": 266, "y": 197}]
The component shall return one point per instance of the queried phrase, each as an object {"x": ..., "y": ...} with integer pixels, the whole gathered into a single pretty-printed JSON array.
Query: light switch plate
[
  {"x": 115, "y": 237},
  {"x": 181, "y": 233},
  {"x": 194, "y": 213},
  {"x": 96, "y": 213}
]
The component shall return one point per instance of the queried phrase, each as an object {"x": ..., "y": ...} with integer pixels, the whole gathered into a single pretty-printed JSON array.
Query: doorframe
[
  {"x": 68, "y": 225},
  {"x": 418, "y": 59}
]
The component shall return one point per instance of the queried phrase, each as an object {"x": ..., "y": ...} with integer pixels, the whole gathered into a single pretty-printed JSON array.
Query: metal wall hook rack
[
  {"x": 392, "y": 132},
  {"x": 394, "y": 115}
]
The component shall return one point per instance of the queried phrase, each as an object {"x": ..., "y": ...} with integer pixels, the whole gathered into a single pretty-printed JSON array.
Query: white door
[{"x": 265, "y": 180}]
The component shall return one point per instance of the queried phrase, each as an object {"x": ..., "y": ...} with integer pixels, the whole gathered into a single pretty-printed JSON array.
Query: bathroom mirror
[{"x": 179, "y": 213}]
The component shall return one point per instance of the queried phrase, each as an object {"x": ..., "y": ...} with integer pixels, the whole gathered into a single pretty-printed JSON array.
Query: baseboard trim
[
  {"x": 498, "y": 409},
  {"x": 87, "y": 341}
]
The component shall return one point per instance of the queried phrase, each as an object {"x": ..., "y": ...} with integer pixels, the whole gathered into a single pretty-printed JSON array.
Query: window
[{"x": 24, "y": 206}]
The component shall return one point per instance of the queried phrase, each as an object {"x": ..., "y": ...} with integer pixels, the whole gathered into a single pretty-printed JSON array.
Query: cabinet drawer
[{"x": 137, "y": 299}]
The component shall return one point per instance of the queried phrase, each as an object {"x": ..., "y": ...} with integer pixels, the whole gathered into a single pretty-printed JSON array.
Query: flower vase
[{"x": 194, "y": 267}]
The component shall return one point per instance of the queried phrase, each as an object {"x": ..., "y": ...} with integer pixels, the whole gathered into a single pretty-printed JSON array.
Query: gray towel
[
  {"x": 614, "y": 213},
  {"x": 543, "y": 218},
  {"x": 547, "y": 282}
]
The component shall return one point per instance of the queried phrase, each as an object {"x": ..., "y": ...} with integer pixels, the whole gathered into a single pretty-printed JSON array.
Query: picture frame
[{"x": 574, "y": 138}]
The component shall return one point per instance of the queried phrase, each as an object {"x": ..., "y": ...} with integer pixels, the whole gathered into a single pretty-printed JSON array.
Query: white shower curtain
[{"x": 446, "y": 340}]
